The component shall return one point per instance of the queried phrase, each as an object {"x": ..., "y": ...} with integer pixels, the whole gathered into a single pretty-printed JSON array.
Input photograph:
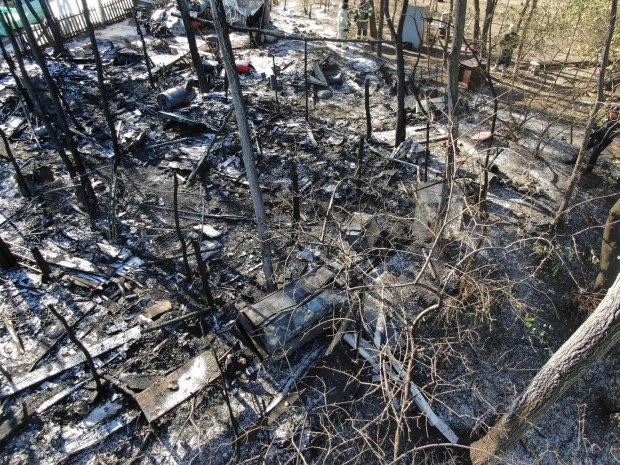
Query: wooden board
[{"x": 57, "y": 367}]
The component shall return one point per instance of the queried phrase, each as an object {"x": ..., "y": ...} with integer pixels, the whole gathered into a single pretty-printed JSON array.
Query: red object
[{"x": 244, "y": 66}]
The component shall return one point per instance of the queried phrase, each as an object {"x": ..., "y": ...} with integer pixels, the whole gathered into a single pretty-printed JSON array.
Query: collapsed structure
[{"x": 162, "y": 285}]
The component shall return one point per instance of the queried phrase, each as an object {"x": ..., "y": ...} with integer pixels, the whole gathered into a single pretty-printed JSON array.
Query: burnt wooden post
[
  {"x": 147, "y": 60},
  {"x": 105, "y": 104},
  {"x": 221, "y": 28},
  {"x": 193, "y": 48},
  {"x": 358, "y": 171},
  {"x": 21, "y": 182},
  {"x": 306, "y": 74},
  {"x": 296, "y": 196},
  {"x": 89, "y": 193},
  {"x": 41, "y": 263},
  {"x": 77, "y": 342},
  {"x": 6, "y": 374},
  {"x": 367, "y": 105},
  {"x": 204, "y": 273},
  {"x": 7, "y": 259},
  {"x": 427, "y": 150},
  {"x": 275, "y": 83},
  {"x": 177, "y": 226}
]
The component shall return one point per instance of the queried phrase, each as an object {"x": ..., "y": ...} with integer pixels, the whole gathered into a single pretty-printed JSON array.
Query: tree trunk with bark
[
  {"x": 453, "y": 88},
  {"x": 526, "y": 30},
  {"x": 486, "y": 26},
  {"x": 221, "y": 28},
  {"x": 572, "y": 182},
  {"x": 592, "y": 340},
  {"x": 477, "y": 21},
  {"x": 380, "y": 27},
  {"x": 610, "y": 263}
]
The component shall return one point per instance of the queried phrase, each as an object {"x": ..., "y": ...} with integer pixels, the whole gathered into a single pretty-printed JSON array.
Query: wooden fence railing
[{"x": 73, "y": 25}]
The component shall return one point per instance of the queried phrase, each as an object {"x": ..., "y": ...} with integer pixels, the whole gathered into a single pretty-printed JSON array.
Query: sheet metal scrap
[
  {"x": 290, "y": 317},
  {"x": 183, "y": 383}
]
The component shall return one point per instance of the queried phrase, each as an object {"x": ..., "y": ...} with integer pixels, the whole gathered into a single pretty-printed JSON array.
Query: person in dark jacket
[
  {"x": 600, "y": 138},
  {"x": 507, "y": 45}
]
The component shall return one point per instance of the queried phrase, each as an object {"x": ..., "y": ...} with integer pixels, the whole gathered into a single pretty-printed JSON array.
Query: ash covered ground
[{"x": 499, "y": 323}]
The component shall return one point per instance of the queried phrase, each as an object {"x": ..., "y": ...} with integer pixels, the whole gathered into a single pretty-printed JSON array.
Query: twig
[
  {"x": 178, "y": 227},
  {"x": 81, "y": 346},
  {"x": 233, "y": 419}
]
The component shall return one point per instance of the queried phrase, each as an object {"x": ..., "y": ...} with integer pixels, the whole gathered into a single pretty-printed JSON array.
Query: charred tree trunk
[
  {"x": 592, "y": 340},
  {"x": 221, "y": 28},
  {"x": 54, "y": 27},
  {"x": 16, "y": 78},
  {"x": 38, "y": 105},
  {"x": 105, "y": 104},
  {"x": 397, "y": 38},
  {"x": 90, "y": 200},
  {"x": 203, "y": 84},
  {"x": 610, "y": 263},
  {"x": 453, "y": 88},
  {"x": 570, "y": 188}
]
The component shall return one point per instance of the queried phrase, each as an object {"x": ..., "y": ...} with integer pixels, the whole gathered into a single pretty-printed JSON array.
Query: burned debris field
[{"x": 251, "y": 267}]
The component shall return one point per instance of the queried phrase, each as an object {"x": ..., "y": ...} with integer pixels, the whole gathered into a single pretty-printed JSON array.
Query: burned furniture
[{"x": 294, "y": 315}]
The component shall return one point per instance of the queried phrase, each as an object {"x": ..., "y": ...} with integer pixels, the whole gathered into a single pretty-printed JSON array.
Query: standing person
[
  {"x": 342, "y": 22},
  {"x": 507, "y": 45},
  {"x": 362, "y": 16},
  {"x": 602, "y": 137}
]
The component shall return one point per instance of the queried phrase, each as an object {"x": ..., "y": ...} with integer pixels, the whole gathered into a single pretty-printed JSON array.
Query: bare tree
[
  {"x": 610, "y": 264},
  {"x": 570, "y": 188},
  {"x": 486, "y": 25},
  {"x": 221, "y": 28},
  {"x": 453, "y": 89},
  {"x": 203, "y": 84},
  {"x": 592, "y": 340},
  {"x": 477, "y": 20},
  {"x": 397, "y": 38}
]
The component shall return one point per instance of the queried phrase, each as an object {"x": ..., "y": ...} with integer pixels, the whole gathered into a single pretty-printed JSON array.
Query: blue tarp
[{"x": 12, "y": 12}]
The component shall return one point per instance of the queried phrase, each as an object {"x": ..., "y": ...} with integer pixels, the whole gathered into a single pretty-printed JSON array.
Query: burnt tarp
[{"x": 294, "y": 315}]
